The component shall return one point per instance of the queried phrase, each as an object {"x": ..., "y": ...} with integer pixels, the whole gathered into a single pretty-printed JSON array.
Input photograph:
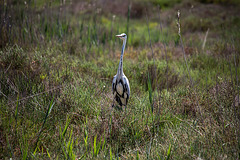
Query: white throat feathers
[{"x": 120, "y": 67}]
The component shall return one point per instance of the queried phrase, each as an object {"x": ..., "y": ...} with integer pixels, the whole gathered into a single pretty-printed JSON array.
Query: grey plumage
[{"x": 120, "y": 84}]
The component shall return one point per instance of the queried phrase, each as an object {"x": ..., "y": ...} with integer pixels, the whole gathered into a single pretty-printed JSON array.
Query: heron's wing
[
  {"x": 127, "y": 85},
  {"x": 114, "y": 83}
]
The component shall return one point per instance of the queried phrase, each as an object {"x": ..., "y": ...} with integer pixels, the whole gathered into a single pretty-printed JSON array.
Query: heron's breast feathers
[{"x": 121, "y": 90}]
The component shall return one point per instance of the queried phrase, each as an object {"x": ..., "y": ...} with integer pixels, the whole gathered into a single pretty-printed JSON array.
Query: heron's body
[
  {"x": 120, "y": 84},
  {"x": 121, "y": 89}
]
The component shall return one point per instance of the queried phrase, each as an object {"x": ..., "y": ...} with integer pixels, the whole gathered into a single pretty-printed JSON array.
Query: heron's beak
[{"x": 118, "y": 35}]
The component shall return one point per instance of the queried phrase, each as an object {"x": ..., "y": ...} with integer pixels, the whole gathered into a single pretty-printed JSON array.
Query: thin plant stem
[
  {"x": 154, "y": 75},
  {"x": 184, "y": 55},
  {"x": 164, "y": 46},
  {"x": 236, "y": 110}
]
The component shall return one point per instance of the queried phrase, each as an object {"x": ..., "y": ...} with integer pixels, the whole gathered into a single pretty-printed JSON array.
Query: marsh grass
[{"x": 56, "y": 68}]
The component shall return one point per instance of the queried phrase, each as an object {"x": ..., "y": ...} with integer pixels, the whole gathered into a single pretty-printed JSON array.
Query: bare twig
[
  {"x": 182, "y": 46},
  {"x": 159, "y": 9},
  {"x": 8, "y": 68},
  {"x": 3, "y": 94},
  {"x": 34, "y": 95},
  {"x": 205, "y": 39}
]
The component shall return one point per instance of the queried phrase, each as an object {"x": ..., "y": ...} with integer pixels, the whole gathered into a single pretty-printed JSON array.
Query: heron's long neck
[{"x": 120, "y": 67}]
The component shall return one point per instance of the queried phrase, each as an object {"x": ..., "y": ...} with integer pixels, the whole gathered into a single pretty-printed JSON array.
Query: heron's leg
[
  {"x": 113, "y": 103},
  {"x": 111, "y": 110},
  {"x": 110, "y": 117}
]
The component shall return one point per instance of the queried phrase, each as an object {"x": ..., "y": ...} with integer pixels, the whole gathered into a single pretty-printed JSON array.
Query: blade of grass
[
  {"x": 66, "y": 126},
  {"x": 45, "y": 119},
  {"x": 95, "y": 145},
  {"x": 98, "y": 147},
  {"x": 137, "y": 155},
  {"x": 169, "y": 152},
  {"x": 150, "y": 93},
  {"x": 16, "y": 111},
  {"x": 111, "y": 156},
  {"x": 104, "y": 141}
]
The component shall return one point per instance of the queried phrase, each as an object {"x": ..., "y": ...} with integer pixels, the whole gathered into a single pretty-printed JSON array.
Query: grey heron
[{"x": 120, "y": 84}]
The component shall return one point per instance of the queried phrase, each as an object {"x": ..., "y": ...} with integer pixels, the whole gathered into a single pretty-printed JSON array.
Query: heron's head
[{"x": 122, "y": 36}]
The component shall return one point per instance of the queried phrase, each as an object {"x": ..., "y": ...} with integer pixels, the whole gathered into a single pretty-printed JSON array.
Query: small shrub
[{"x": 161, "y": 77}]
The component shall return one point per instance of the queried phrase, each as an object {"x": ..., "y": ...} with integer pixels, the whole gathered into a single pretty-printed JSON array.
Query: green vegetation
[{"x": 57, "y": 61}]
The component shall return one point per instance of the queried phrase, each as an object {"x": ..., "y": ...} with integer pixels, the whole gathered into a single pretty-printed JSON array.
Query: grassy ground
[{"x": 58, "y": 58}]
